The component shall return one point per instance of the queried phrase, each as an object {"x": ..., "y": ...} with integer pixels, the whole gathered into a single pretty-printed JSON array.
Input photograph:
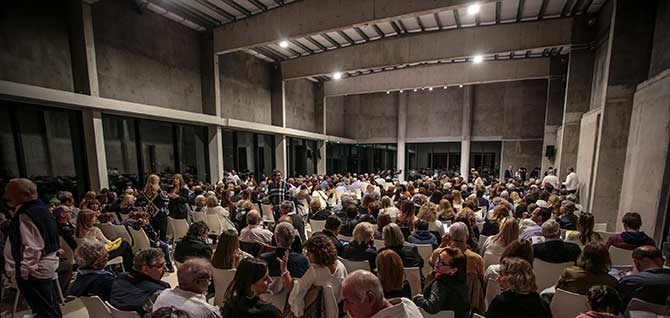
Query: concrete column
[
  {"x": 468, "y": 101},
  {"x": 402, "y": 132},
  {"x": 554, "y": 110},
  {"x": 96, "y": 157},
  {"x": 215, "y": 146},
  {"x": 278, "y": 118},
  {"x": 281, "y": 154},
  {"x": 321, "y": 164}
]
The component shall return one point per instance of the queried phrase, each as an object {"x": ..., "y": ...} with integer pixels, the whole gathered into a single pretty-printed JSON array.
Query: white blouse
[{"x": 317, "y": 276}]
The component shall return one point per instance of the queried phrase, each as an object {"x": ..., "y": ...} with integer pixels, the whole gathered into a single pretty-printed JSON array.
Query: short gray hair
[
  {"x": 458, "y": 232},
  {"x": 147, "y": 257},
  {"x": 88, "y": 252},
  {"x": 361, "y": 282},
  {"x": 284, "y": 234},
  {"x": 192, "y": 270},
  {"x": 551, "y": 229},
  {"x": 24, "y": 186},
  {"x": 345, "y": 199}
]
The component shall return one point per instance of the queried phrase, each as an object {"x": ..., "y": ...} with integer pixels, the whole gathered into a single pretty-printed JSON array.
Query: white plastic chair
[
  {"x": 68, "y": 253},
  {"x": 140, "y": 239},
  {"x": 358, "y": 193},
  {"x": 379, "y": 244},
  {"x": 96, "y": 307},
  {"x": 316, "y": 226},
  {"x": 266, "y": 210},
  {"x": 491, "y": 259},
  {"x": 605, "y": 235},
  {"x": 492, "y": 290},
  {"x": 116, "y": 313},
  {"x": 413, "y": 276},
  {"x": 477, "y": 316},
  {"x": 354, "y": 265},
  {"x": 637, "y": 305},
  {"x": 277, "y": 299},
  {"x": 112, "y": 232},
  {"x": 600, "y": 227},
  {"x": 303, "y": 208},
  {"x": 199, "y": 216},
  {"x": 222, "y": 279},
  {"x": 329, "y": 302},
  {"x": 426, "y": 251},
  {"x": 565, "y": 304},
  {"x": 214, "y": 224},
  {"x": 547, "y": 274},
  {"x": 117, "y": 261},
  {"x": 621, "y": 257},
  {"x": 441, "y": 314},
  {"x": 177, "y": 228}
]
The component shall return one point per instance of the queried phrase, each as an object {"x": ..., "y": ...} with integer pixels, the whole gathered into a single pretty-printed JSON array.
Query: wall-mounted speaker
[{"x": 550, "y": 151}]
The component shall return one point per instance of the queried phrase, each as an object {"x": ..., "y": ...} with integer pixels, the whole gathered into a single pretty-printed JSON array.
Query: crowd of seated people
[{"x": 516, "y": 221}]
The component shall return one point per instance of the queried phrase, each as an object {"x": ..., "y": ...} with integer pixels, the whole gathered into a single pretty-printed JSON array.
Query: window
[
  {"x": 303, "y": 156},
  {"x": 250, "y": 154},
  {"x": 429, "y": 158}
]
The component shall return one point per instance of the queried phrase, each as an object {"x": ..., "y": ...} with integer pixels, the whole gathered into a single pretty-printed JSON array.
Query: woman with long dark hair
[
  {"x": 178, "y": 198},
  {"x": 242, "y": 296},
  {"x": 228, "y": 254}
]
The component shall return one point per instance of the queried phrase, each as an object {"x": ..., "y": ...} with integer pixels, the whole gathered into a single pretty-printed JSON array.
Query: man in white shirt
[
  {"x": 571, "y": 181},
  {"x": 363, "y": 297},
  {"x": 552, "y": 179},
  {"x": 254, "y": 232},
  {"x": 194, "y": 277}
]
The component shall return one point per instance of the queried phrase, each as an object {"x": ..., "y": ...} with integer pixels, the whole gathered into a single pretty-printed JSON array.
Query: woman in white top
[
  {"x": 509, "y": 232},
  {"x": 86, "y": 230},
  {"x": 214, "y": 208},
  {"x": 389, "y": 208},
  {"x": 325, "y": 270},
  {"x": 320, "y": 194}
]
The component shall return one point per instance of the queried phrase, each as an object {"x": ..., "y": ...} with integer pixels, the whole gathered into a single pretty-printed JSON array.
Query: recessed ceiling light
[
  {"x": 337, "y": 75},
  {"x": 430, "y": 88},
  {"x": 387, "y": 92},
  {"x": 401, "y": 90},
  {"x": 473, "y": 9},
  {"x": 461, "y": 85},
  {"x": 445, "y": 87},
  {"x": 477, "y": 59},
  {"x": 283, "y": 43},
  {"x": 415, "y": 89}
]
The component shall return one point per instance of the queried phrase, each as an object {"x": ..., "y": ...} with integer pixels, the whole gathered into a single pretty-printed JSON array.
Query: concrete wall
[
  {"x": 301, "y": 105},
  {"x": 335, "y": 125},
  {"x": 368, "y": 116},
  {"x": 586, "y": 155},
  {"x": 34, "y": 47},
  {"x": 646, "y": 168},
  {"x": 437, "y": 113},
  {"x": 521, "y": 153},
  {"x": 660, "y": 54},
  {"x": 146, "y": 58},
  {"x": 245, "y": 87}
]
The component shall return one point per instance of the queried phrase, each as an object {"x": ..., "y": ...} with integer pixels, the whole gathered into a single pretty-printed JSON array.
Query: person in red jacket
[{"x": 631, "y": 237}]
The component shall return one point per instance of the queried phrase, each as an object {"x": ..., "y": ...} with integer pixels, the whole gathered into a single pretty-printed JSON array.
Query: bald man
[
  {"x": 254, "y": 231},
  {"x": 363, "y": 297},
  {"x": 651, "y": 283},
  {"x": 30, "y": 251}
]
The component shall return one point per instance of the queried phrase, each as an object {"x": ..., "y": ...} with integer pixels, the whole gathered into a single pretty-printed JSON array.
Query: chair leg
[
  {"x": 60, "y": 292},
  {"x": 16, "y": 301}
]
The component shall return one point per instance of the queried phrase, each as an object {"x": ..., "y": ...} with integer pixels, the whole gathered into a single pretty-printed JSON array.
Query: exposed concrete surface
[
  {"x": 146, "y": 58},
  {"x": 647, "y": 151},
  {"x": 660, "y": 54},
  {"x": 437, "y": 113},
  {"x": 34, "y": 46},
  {"x": 371, "y": 116},
  {"x": 335, "y": 124},
  {"x": 521, "y": 153},
  {"x": 301, "y": 112},
  {"x": 245, "y": 87}
]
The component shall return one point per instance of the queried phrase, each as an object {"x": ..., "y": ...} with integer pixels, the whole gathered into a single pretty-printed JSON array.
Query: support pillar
[
  {"x": 278, "y": 118},
  {"x": 215, "y": 147},
  {"x": 468, "y": 101},
  {"x": 281, "y": 154},
  {"x": 554, "y": 110},
  {"x": 402, "y": 132},
  {"x": 96, "y": 157},
  {"x": 321, "y": 164}
]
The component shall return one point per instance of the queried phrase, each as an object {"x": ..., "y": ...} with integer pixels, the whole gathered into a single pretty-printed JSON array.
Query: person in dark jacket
[
  {"x": 568, "y": 219},
  {"x": 140, "y": 220},
  {"x": 92, "y": 279},
  {"x": 132, "y": 291},
  {"x": 519, "y": 298},
  {"x": 448, "y": 290},
  {"x": 179, "y": 198},
  {"x": 651, "y": 283},
  {"x": 332, "y": 229},
  {"x": 394, "y": 240},
  {"x": 631, "y": 237},
  {"x": 421, "y": 234},
  {"x": 316, "y": 212},
  {"x": 362, "y": 247},
  {"x": 553, "y": 250},
  {"x": 194, "y": 244},
  {"x": 251, "y": 280},
  {"x": 297, "y": 264},
  {"x": 350, "y": 220}
]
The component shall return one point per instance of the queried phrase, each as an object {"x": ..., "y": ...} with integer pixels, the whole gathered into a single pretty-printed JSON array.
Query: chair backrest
[
  {"x": 605, "y": 235},
  {"x": 140, "y": 240},
  {"x": 199, "y": 216},
  {"x": 441, "y": 314},
  {"x": 491, "y": 259},
  {"x": 222, "y": 279},
  {"x": 379, "y": 244},
  {"x": 413, "y": 276},
  {"x": 277, "y": 299},
  {"x": 68, "y": 255},
  {"x": 482, "y": 240},
  {"x": 477, "y": 316},
  {"x": 600, "y": 227},
  {"x": 426, "y": 251},
  {"x": 96, "y": 307},
  {"x": 120, "y": 313},
  {"x": 492, "y": 290},
  {"x": 565, "y": 304},
  {"x": 214, "y": 224},
  {"x": 547, "y": 274},
  {"x": 266, "y": 212},
  {"x": 329, "y": 302},
  {"x": 303, "y": 207},
  {"x": 621, "y": 257},
  {"x": 563, "y": 231},
  {"x": 637, "y": 305},
  {"x": 358, "y": 193},
  {"x": 112, "y": 232},
  {"x": 345, "y": 238},
  {"x": 317, "y": 226},
  {"x": 179, "y": 228},
  {"x": 354, "y": 265}
]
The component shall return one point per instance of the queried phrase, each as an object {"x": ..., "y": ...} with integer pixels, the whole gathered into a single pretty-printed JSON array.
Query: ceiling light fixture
[
  {"x": 401, "y": 91},
  {"x": 461, "y": 85},
  {"x": 337, "y": 75},
  {"x": 430, "y": 88},
  {"x": 387, "y": 92},
  {"x": 445, "y": 87},
  {"x": 477, "y": 59},
  {"x": 415, "y": 89},
  {"x": 283, "y": 44},
  {"x": 473, "y": 9}
]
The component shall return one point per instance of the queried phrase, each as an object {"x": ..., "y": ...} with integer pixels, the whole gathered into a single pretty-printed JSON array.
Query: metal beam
[
  {"x": 362, "y": 34},
  {"x": 321, "y": 16},
  {"x": 433, "y": 46},
  {"x": 439, "y": 75}
]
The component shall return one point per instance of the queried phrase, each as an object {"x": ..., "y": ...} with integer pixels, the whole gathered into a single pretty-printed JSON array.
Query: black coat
[
  {"x": 338, "y": 244},
  {"x": 556, "y": 251},
  {"x": 131, "y": 290},
  {"x": 511, "y": 304},
  {"x": 356, "y": 251},
  {"x": 178, "y": 207},
  {"x": 189, "y": 247},
  {"x": 93, "y": 283},
  {"x": 445, "y": 293},
  {"x": 409, "y": 254}
]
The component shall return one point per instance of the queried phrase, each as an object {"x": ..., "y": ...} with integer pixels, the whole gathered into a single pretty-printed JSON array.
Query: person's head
[
  {"x": 594, "y": 258},
  {"x": 106, "y": 218},
  {"x": 420, "y": 225},
  {"x": 541, "y": 215},
  {"x": 390, "y": 270},
  {"x": 386, "y": 202},
  {"x": 362, "y": 294},
  {"x": 150, "y": 262},
  {"x": 212, "y": 201},
  {"x": 315, "y": 205},
  {"x": 178, "y": 181},
  {"x": 456, "y": 195},
  {"x": 451, "y": 262},
  {"x": 585, "y": 224},
  {"x": 517, "y": 275},
  {"x": 65, "y": 197},
  {"x": 253, "y": 218},
  {"x": 226, "y": 247},
  {"x": 320, "y": 250},
  {"x": 19, "y": 191},
  {"x": 392, "y": 235},
  {"x": 500, "y": 212},
  {"x": 509, "y": 231},
  {"x": 198, "y": 230},
  {"x": 169, "y": 312},
  {"x": 551, "y": 230},
  {"x": 459, "y": 232},
  {"x": 85, "y": 220},
  {"x": 128, "y": 200},
  {"x": 284, "y": 235},
  {"x": 153, "y": 184},
  {"x": 632, "y": 221},
  {"x": 276, "y": 175},
  {"x": 364, "y": 233},
  {"x": 646, "y": 257},
  {"x": 428, "y": 212},
  {"x": 195, "y": 275},
  {"x": 520, "y": 248},
  {"x": 351, "y": 211},
  {"x": 603, "y": 298},
  {"x": 567, "y": 207},
  {"x": 383, "y": 219},
  {"x": 286, "y": 207},
  {"x": 62, "y": 213},
  {"x": 91, "y": 254},
  {"x": 251, "y": 279},
  {"x": 92, "y": 204}
]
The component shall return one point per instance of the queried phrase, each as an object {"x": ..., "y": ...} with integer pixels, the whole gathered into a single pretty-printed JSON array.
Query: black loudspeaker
[{"x": 549, "y": 153}]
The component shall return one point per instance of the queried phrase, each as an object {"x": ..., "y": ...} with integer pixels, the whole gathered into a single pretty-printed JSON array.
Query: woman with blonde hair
[
  {"x": 509, "y": 232},
  {"x": 362, "y": 247},
  {"x": 492, "y": 225},
  {"x": 520, "y": 297},
  {"x": 444, "y": 211},
  {"x": 516, "y": 199},
  {"x": 388, "y": 207},
  {"x": 428, "y": 212},
  {"x": 214, "y": 208},
  {"x": 154, "y": 201},
  {"x": 391, "y": 273},
  {"x": 86, "y": 230},
  {"x": 457, "y": 199}
]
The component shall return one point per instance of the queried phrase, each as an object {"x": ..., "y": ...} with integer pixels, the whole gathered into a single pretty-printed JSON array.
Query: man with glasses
[
  {"x": 194, "y": 277},
  {"x": 132, "y": 290}
]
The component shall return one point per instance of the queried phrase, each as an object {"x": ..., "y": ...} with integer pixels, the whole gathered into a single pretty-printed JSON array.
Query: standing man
[
  {"x": 277, "y": 192},
  {"x": 30, "y": 251},
  {"x": 571, "y": 181},
  {"x": 509, "y": 173}
]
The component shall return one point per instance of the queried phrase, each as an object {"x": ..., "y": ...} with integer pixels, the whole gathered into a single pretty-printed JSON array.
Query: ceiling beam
[
  {"x": 439, "y": 75},
  {"x": 433, "y": 46},
  {"x": 320, "y": 16}
]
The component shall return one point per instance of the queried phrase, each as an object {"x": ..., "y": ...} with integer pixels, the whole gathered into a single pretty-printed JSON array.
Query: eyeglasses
[{"x": 161, "y": 265}]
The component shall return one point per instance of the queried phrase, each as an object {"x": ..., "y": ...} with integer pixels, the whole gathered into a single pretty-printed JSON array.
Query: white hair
[
  {"x": 361, "y": 282},
  {"x": 458, "y": 232}
]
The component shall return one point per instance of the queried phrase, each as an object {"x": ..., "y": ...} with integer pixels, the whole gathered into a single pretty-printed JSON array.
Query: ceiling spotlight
[
  {"x": 445, "y": 87},
  {"x": 415, "y": 89},
  {"x": 283, "y": 44},
  {"x": 337, "y": 75},
  {"x": 401, "y": 91},
  {"x": 477, "y": 59},
  {"x": 430, "y": 88},
  {"x": 473, "y": 9},
  {"x": 461, "y": 85},
  {"x": 387, "y": 92}
]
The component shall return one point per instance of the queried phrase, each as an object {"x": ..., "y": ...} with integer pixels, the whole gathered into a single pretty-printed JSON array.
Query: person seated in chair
[
  {"x": 651, "y": 283},
  {"x": 332, "y": 230},
  {"x": 448, "y": 290},
  {"x": 421, "y": 234},
  {"x": 286, "y": 208},
  {"x": 132, "y": 290},
  {"x": 553, "y": 250},
  {"x": 297, "y": 263},
  {"x": 254, "y": 231},
  {"x": 194, "y": 244},
  {"x": 316, "y": 212},
  {"x": 92, "y": 279},
  {"x": 631, "y": 237},
  {"x": 604, "y": 302},
  {"x": 362, "y": 247},
  {"x": 568, "y": 219}
]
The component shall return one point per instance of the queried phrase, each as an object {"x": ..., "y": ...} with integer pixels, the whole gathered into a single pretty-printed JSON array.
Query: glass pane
[
  {"x": 157, "y": 147},
  {"x": 193, "y": 152},
  {"x": 228, "y": 149},
  {"x": 121, "y": 151},
  {"x": 9, "y": 165},
  {"x": 265, "y": 156},
  {"x": 246, "y": 159}
]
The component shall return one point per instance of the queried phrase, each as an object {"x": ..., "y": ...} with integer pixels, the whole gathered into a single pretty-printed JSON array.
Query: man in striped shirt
[{"x": 277, "y": 192}]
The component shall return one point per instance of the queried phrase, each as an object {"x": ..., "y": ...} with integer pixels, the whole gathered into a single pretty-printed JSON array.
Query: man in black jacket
[
  {"x": 194, "y": 244},
  {"x": 133, "y": 290},
  {"x": 448, "y": 290},
  {"x": 553, "y": 250}
]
